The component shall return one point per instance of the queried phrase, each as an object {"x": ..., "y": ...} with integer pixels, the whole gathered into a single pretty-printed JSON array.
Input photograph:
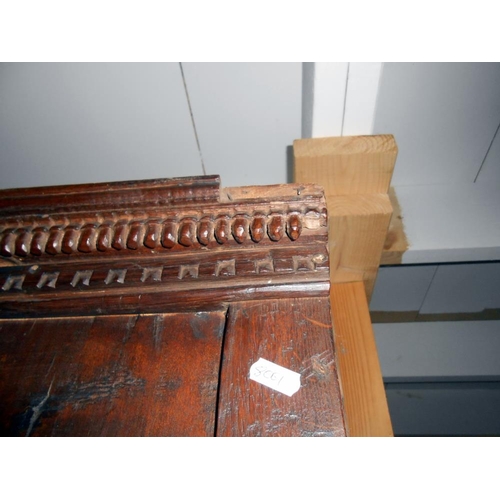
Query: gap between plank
[{"x": 192, "y": 119}]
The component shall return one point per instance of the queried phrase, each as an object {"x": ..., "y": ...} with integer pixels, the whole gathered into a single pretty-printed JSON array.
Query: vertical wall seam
[
  {"x": 427, "y": 291},
  {"x": 345, "y": 99},
  {"x": 192, "y": 120},
  {"x": 375, "y": 108},
  {"x": 487, "y": 153}
]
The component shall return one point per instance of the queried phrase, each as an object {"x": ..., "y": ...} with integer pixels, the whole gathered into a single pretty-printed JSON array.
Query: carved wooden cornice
[
  {"x": 175, "y": 231},
  {"x": 185, "y": 240}
]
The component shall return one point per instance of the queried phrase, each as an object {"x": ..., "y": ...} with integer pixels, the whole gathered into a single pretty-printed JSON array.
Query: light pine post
[{"x": 356, "y": 174}]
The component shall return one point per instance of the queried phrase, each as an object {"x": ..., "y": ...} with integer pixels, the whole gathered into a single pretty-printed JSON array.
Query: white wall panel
[
  {"x": 65, "y": 123},
  {"x": 443, "y": 116},
  {"x": 330, "y": 82},
  {"x": 401, "y": 288},
  {"x": 452, "y": 223},
  {"x": 490, "y": 172},
  {"x": 463, "y": 288},
  {"x": 246, "y": 116},
  {"x": 361, "y": 98},
  {"x": 445, "y": 350}
]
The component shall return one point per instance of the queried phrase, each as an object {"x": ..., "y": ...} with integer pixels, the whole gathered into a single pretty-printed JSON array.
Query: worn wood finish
[
  {"x": 367, "y": 413},
  {"x": 295, "y": 334},
  {"x": 129, "y": 375},
  {"x": 113, "y": 301},
  {"x": 179, "y": 243}
]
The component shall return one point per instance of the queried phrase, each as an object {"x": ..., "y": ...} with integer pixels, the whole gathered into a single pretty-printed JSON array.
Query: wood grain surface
[
  {"x": 356, "y": 174},
  {"x": 367, "y": 413},
  {"x": 129, "y": 375},
  {"x": 295, "y": 334},
  {"x": 114, "y": 301},
  {"x": 357, "y": 231},
  {"x": 360, "y": 164}
]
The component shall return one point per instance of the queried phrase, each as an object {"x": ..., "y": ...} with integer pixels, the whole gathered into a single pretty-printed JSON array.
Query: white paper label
[{"x": 275, "y": 376}]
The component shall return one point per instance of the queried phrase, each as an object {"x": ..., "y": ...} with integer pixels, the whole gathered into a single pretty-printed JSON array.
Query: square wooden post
[{"x": 355, "y": 173}]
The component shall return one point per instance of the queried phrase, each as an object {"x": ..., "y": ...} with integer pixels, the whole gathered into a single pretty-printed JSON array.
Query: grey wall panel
[
  {"x": 458, "y": 288},
  {"x": 443, "y": 117},
  {"x": 490, "y": 171},
  {"x": 64, "y": 123},
  {"x": 246, "y": 115},
  {"x": 445, "y": 409},
  {"x": 401, "y": 288},
  {"x": 459, "y": 350}
]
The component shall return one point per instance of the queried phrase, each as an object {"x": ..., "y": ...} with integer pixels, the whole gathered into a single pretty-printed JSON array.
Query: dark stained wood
[
  {"x": 113, "y": 302},
  {"x": 111, "y": 195},
  {"x": 295, "y": 334},
  {"x": 129, "y": 375}
]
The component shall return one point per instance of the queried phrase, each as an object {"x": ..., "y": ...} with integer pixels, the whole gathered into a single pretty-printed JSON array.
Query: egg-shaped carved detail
[
  {"x": 187, "y": 233},
  {"x": 169, "y": 235},
  {"x": 196, "y": 230},
  {"x": 70, "y": 240},
  {"x": 152, "y": 236},
  {"x": 258, "y": 228},
  {"x": 135, "y": 235},
  {"x": 53, "y": 246},
  {"x": 222, "y": 230},
  {"x": 120, "y": 236},
  {"x": 205, "y": 231},
  {"x": 294, "y": 226},
  {"x": 40, "y": 236},
  {"x": 23, "y": 243},
  {"x": 240, "y": 228},
  {"x": 8, "y": 243},
  {"x": 104, "y": 238},
  {"x": 88, "y": 238},
  {"x": 276, "y": 227}
]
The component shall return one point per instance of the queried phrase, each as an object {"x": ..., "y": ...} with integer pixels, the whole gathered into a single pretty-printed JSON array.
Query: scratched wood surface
[
  {"x": 295, "y": 334},
  {"x": 113, "y": 303},
  {"x": 128, "y": 375}
]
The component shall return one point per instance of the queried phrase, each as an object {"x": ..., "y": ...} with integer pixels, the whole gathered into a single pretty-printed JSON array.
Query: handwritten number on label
[{"x": 275, "y": 377}]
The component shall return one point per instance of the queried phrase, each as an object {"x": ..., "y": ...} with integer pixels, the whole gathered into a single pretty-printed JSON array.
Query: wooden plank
[
  {"x": 367, "y": 413},
  {"x": 357, "y": 232},
  {"x": 346, "y": 165},
  {"x": 152, "y": 375},
  {"x": 295, "y": 334},
  {"x": 355, "y": 173},
  {"x": 396, "y": 241}
]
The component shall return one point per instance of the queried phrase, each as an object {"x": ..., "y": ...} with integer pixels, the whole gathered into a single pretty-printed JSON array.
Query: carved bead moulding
[
  {"x": 57, "y": 222},
  {"x": 49, "y": 238},
  {"x": 199, "y": 244}
]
